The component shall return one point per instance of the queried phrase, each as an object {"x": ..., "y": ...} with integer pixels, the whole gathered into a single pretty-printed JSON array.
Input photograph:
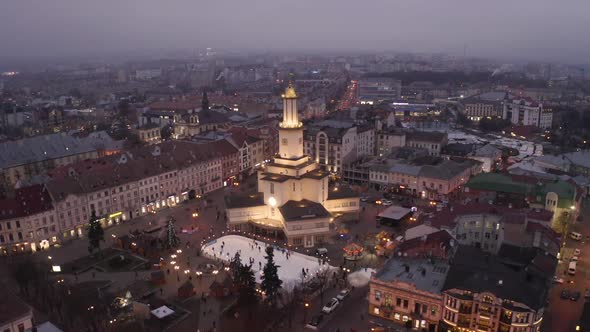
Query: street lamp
[
  {"x": 179, "y": 251},
  {"x": 177, "y": 275},
  {"x": 305, "y": 309}
]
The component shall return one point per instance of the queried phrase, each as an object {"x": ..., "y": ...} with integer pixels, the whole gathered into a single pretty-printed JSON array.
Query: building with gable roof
[{"x": 27, "y": 221}]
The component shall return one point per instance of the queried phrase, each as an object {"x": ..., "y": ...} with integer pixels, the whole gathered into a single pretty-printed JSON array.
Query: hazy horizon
[{"x": 539, "y": 30}]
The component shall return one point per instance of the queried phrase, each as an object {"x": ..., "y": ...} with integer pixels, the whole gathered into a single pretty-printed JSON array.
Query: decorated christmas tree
[{"x": 172, "y": 239}]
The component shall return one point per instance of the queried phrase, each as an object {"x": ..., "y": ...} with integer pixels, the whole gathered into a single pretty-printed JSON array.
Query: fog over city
[{"x": 533, "y": 29}]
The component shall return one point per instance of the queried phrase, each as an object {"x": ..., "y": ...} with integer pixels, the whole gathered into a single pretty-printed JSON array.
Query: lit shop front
[{"x": 170, "y": 201}]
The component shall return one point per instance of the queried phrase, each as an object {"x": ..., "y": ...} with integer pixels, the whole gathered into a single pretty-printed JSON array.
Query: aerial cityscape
[{"x": 267, "y": 166}]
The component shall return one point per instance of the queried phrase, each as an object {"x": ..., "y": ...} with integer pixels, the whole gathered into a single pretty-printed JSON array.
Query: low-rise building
[
  {"x": 409, "y": 290},
  {"x": 433, "y": 141},
  {"x": 489, "y": 155},
  {"x": 149, "y": 133},
  {"x": 520, "y": 191}
]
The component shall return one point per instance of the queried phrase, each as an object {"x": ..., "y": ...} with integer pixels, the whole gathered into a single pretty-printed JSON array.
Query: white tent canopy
[{"x": 162, "y": 312}]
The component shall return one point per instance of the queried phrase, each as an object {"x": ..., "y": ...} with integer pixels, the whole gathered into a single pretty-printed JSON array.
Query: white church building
[{"x": 294, "y": 196}]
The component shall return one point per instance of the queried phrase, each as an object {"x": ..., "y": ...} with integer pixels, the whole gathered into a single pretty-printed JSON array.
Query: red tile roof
[{"x": 27, "y": 201}]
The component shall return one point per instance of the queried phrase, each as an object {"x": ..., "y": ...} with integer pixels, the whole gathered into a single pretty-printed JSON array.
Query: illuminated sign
[{"x": 115, "y": 214}]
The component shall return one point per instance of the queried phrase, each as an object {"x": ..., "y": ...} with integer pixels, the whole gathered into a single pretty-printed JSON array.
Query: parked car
[
  {"x": 321, "y": 251},
  {"x": 365, "y": 198},
  {"x": 343, "y": 294},
  {"x": 565, "y": 294},
  {"x": 330, "y": 306},
  {"x": 386, "y": 202},
  {"x": 557, "y": 280},
  {"x": 574, "y": 296},
  {"x": 574, "y": 258},
  {"x": 315, "y": 322},
  {"x": 575, "y": 236},
  {"x": 577, "y": 252}
]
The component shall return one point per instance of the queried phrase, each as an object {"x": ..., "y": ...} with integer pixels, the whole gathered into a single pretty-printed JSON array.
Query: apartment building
[
  {"x": 251, "y": 150},
  {"x": 440, "y": 181},
  {"x": 28, "y": 157},
  {"x": 526, "y": 112},
  {"x": 27, "y": 221},
  {"x": 389, "y": 139},
  {"x": 331, "y": 146},
  {"x": 134, "y": 183},
  {"x": 433, "y": 141},
  {"x": 482, "y": 293},
  {"x": 365, "y": 141},
  {"x": 483, "y": 105}
]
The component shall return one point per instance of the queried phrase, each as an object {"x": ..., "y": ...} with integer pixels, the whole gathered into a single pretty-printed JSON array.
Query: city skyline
[{"x": 540, "y": 31}]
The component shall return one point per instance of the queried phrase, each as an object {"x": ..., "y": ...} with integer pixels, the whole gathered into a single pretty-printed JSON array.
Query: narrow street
[{"x": 561, "y": 315}]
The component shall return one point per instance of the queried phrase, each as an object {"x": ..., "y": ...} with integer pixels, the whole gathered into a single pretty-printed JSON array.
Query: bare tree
[{"x": 323, "y": 277}]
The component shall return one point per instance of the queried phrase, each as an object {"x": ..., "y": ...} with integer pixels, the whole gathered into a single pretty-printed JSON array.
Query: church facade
[{"x": 294, "y": 195}]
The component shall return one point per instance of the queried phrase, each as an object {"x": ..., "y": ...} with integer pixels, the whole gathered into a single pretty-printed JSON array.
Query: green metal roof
[{"x": 504, "y": 183}]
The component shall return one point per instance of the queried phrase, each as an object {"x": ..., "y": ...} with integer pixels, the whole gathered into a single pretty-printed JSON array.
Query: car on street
[
  {"x": 557, "y": 280},
  {"x": 365, "y": 198},
  {"x": 330, "y": 306},
  {"x": 565, "y": 294},
  {"x": 343, "y": 294},
  {"x": 574, "y": 258},
  {"x": 574, "y": 296},
  {"x": 386, "y": 202},
  {"x": 321, "y": 251},
  {"x": 315, "y": 322},
  {"x": 577, "y": 252}
]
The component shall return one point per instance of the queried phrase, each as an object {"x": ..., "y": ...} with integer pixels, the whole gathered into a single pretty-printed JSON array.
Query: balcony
[{"x": 465, "y": 309}]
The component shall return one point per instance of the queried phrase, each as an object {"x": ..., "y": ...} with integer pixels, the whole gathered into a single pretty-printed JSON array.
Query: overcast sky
[{"x": 534, "y": 29}]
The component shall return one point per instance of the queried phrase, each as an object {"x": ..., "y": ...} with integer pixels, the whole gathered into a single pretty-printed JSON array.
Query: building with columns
[{"x": 294, "y": 197}]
